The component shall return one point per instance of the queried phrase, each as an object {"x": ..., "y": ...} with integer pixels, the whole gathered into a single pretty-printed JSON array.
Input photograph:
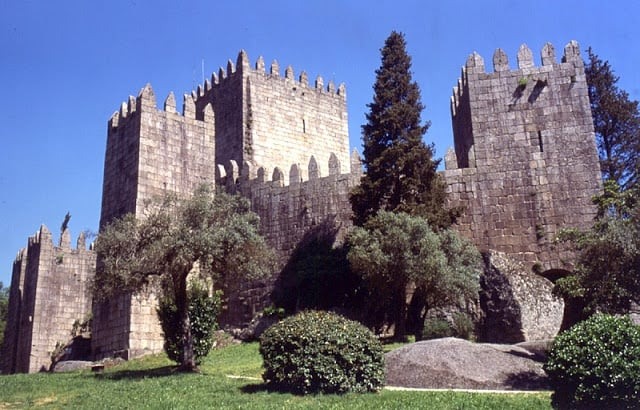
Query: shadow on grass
[
  {"x": 268, "y": 388},
  {"x": 139, "y": 374},
  {"x": 527, "y": 381}
]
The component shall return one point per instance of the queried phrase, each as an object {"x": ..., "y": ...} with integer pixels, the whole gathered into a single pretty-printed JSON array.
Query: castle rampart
[
  {"x": 49, "y": 292},
  {"x": 525, "y": 162},
  {"x": 289, "y": 209}
]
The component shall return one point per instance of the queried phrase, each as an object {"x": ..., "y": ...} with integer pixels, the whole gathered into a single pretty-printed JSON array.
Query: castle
[{"x": 524, "y": 165}]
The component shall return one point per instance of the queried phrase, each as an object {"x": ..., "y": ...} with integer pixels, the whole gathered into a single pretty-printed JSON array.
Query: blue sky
[{"x": 66, "y": 66}]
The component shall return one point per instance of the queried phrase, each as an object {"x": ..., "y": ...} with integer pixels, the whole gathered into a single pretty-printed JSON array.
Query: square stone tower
[
  {"x": 243, "y": 118},
  {"x": 525, "y": 162}
]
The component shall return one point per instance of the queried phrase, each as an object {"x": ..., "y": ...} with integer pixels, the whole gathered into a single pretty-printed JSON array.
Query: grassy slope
[{"x": 151, "y": 383}]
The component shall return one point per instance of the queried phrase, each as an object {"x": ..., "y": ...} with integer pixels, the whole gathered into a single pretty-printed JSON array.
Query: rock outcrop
[
  {"x": 517, "y": 304},
  {"x": 451, "y": 363}
]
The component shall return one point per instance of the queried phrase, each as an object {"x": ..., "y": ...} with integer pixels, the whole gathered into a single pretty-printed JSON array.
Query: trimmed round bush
[
  {"x": 321, "y": 352},
  {"x": 596, "y": 364}
]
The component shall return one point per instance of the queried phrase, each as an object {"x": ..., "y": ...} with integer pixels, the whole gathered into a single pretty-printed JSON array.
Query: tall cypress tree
[{"x": 400, "y": 169}]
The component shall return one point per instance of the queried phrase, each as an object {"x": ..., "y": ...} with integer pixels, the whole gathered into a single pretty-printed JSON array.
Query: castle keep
[
  {"x": 525, "y": 162},
  {"x": 524, "y": 165}
]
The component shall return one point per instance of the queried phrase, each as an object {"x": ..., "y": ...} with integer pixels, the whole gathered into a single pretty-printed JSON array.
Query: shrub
[
  {"x": 317, "y": 351},
  {"x": 436, "y": 328},
  {"x": 460, "y": 326},
  {"x": 596, "y": 364},
  {"x": 203, "y": 314}
]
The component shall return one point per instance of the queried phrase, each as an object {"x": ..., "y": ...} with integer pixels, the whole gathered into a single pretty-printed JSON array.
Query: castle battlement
[
  {"x": 242, "y": 68},
  {"x": 235, "y": 178},
  {"x": 44, "y": 237},
  {"x": 526, "y": 73},
  {"x": 524, "y": 145},
  {"x": 146, "y": 101}
]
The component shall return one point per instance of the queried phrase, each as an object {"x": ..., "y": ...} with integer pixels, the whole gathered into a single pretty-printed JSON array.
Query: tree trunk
[
  {"x": 400, "y": 333},
  {"x": 188, "y": 360}
]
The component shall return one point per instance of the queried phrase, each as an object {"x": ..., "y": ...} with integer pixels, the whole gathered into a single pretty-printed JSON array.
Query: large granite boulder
[
  {"x": 452, "y": 363},
  {"x": 517, "y": 304}
]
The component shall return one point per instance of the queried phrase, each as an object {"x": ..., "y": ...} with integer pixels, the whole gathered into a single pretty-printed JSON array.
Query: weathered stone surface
[
  {"x": 71, "y": 366},
  {"x": 517, "y": 304},
  {"x": 525, "y": 163},
  {"x": 49, "y": 292},
  {"x": 524, "y": 166},
  {"x": 459, "y": 364}
]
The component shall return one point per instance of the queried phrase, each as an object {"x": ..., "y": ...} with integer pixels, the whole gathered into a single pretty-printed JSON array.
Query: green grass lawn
[{"x": 150, "y": 383}]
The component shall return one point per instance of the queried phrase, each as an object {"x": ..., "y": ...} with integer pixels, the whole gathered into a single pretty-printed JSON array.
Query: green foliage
[
  {"x": 461, "y": 326},
  {"x": 436, "y": 328},
  {"x": 213, "y": 235},
  {"x": 203, "y": 315},
  {"x": 317, "y": 351},
  {"x": 596, "y": 364},
  {"x": 395, "y": 250},
  {"x": 4, "y": 310},
  {"x": 616, "y": 120},
  {"x": 605, "y": 278},
  {"x": 400, "y": 169}
]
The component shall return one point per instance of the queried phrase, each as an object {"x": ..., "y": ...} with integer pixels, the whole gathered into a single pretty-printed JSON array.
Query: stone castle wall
[
  {"x": 242, "y": 116},
  {"x": 49, "y": 292},
  {"x": 289, "y": 209},
  {"x": 524, "y": 165},
  {"x": 525, "y": 162}
]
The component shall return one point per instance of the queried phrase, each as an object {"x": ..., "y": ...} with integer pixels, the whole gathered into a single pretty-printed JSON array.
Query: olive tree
[
  {"x": 394, "y": 252},
  {"x": 214, "y": 236}
]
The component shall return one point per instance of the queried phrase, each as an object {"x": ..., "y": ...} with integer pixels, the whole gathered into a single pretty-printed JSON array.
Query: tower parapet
[
  {"x": 151, "y": 150},
  {"x": 525, "y": 162},
  {"x": 265, "y": 118}
]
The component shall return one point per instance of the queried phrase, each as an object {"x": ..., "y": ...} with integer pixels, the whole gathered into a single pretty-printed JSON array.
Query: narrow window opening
[
  {"x": 540, "y": 141},
  {"x": 304, "y": 126}
]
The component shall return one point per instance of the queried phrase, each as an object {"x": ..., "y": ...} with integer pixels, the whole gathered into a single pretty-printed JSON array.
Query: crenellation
[
  {"x": 572, "y": 53},
  {"x": 500, "y": 61},
  {"x": 170, "y": 103},
  {"x": 188, "y": 106},
  {"x": 260, "y": 65},
  {"x": 288, "y": 73},
  {"x": 242, "y": 63},
  {"x": 303, "y": 79},
  {"x": 275, "y": 69},
  {"x": 525, "y": 57},
  {"x": 548, "y": 55},
  {"x": 131, "y": 105},
  {"x": 230, "y": 68}
]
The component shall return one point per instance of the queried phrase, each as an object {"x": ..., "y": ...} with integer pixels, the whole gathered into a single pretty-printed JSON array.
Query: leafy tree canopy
[
  {"x": 395, "y": 250},
  {"x": 400, "y": 169},
  {"x": 214, "y": 236},
  {"x": 606, "y": 275},
  {"x": 616, "y": 120}
]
